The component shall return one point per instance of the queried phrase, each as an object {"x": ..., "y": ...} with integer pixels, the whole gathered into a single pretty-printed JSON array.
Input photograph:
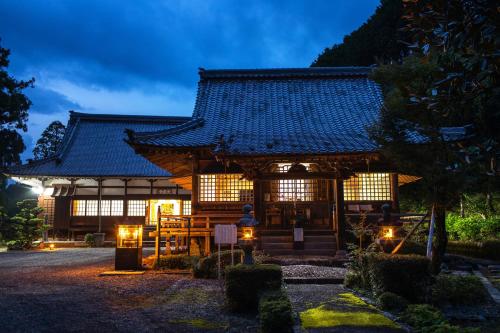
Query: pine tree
[{"x": 49, "y": 141}]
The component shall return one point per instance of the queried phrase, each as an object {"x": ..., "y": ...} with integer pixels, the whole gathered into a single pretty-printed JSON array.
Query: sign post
[{"x": 225, "y": 234}]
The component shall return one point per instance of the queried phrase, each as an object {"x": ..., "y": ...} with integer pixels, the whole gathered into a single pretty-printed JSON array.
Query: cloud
[{"x": 142, "y": 57}]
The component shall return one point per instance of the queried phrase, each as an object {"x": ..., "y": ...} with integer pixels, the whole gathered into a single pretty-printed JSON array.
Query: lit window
[
  {"x": 105, "y": 207},
  {"x": 116, "y": 207},
  {"x": 136, "y": 208},
  {"x": 225, "y": 187},
  {"x": 186, "y": 207},
  {"x": 91, "y": 208},
  {"x": 78, "y": 207},
  {"x": 368, "y": 187},
  {"x": 297, "y": 189}
]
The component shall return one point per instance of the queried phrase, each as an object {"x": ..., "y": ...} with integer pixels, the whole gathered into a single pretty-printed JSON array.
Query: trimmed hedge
[
  {"x": 275, "y": 312},
  {"x": 245, "y": 284},
  {"x": 458, "y": 290},
  {"x": 177, "y": 261},
  {"x": 406, "y": 275},
  {"x": 206, "y": 268},
  {"x": 485, "y": 250},
  {"x": 391, "y": 302}
]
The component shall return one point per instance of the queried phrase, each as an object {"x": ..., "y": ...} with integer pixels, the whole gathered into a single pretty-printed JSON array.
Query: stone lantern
[{"x": 247, "y": 241}]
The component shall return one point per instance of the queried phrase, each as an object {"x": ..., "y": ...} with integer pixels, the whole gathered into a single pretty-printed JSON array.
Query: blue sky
[{"x": 142, "y": 57}]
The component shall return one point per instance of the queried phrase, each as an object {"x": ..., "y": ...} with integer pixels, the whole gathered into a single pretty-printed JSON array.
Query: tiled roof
[
  {"x": 278, "y": 111},
  {"x": 94, "y": 146}
]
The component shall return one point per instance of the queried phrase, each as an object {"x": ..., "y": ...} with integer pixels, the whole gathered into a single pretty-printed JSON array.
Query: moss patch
[
  {"x": 200, "y": 323},
  {"x": 346, "y": 309},
  {"x": 323, "y": 317},
  {"x": 191, "y": 296}
]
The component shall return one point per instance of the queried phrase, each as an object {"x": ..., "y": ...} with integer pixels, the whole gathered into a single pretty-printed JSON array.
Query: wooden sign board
[{"x": 225, "y": 234}]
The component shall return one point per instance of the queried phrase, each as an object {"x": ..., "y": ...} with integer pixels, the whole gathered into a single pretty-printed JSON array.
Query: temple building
[{"x": 294, "y": 143}]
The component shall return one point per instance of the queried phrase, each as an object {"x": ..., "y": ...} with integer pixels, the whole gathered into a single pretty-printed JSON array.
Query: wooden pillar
[
  {"x": 195, "y": 185},
  {"x": 125, "y": 197},
  {"x": 340, "y": 213},
  {"x": 395, "y": 192},
  {"x": 99, "y": 194},
  {"x": 258, "y": 205}
]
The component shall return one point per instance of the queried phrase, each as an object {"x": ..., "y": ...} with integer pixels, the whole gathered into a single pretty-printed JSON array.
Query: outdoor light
[
  {"x": 128, "y": 247},
  {"x": 247, "y": 233},
  {"x": 387, "y": 232},
  {"x": 52, "y": 246},
  {"x": 246, "y": 243}
]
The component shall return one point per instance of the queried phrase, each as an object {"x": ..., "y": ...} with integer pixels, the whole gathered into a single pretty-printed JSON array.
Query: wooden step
[
  {"x": 320, "y": 246},
  {"x": 309, "y": 252},
  {"x": 277, "y": 246},
  {"x": 277, "y": 239}
]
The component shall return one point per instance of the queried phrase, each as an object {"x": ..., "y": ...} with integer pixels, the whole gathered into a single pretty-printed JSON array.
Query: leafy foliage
[
  {"x": 391, "y": 302},
  {"x": 49, "y": 141},
  {"x": 26, "y": 224},
  {"x": 486, "y": 250},
  {"x": 377, "y": 40},
  {"x": 473, "y": 227},
  {"x": 178, "y": 261},
  {"x": 424, "y": 318},
  {"x": 458, "y": 290},
  {"x": 207, "y": 267},
  {"x": 14, "y": 107},
  {"x": 275, "y": 312}
]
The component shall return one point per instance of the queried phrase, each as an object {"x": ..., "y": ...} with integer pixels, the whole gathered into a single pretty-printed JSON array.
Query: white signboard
[{"x": 225, "y": 234}]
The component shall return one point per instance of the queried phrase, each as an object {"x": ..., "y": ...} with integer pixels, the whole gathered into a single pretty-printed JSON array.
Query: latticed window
[
  {"x": 136, "y": 208},
  {"x": 116, "y": 208},
  {"x": 79, "y": 207},
  {"x": 225, "y": 187},
  {"x": 297, "y": 189},
  {"x": 368, "y": 187},
  {"x": 186, "y": 207},
  {"x": 111, "y": 207}
]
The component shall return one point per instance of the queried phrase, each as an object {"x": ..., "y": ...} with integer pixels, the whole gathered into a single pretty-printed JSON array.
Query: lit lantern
[
  {"x": 247, "y": 233},
  {"x": 128, "y": 254},
  {"x": 52, "y": 246},
  {"x": 387, "y": 232},
  {"x": 247, "y": 224}
]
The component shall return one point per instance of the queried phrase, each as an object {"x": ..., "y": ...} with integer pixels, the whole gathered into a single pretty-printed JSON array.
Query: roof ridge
[
  {"x": 191, "y": 124},
  {"x": 284, "y": 72},
  {"x": 135, "y": 117}
]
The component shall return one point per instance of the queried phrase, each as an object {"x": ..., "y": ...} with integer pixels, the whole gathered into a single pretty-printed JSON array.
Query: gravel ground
[
  {"x": 309, "y": 271},
  {"x": 61, "y": 291}
]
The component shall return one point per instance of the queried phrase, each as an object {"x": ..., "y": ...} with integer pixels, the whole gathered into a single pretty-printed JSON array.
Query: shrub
[
  {"x": 26, "y": 225},
  {"x": 405, "y": 275},
  {"x": 15, "y": 245},
  {"x": 275, "y": 312},
  {"x": 486, "y": 250},
  {"x": 420, "y": 316},
  {"x": 391, "y": 302},
  {"x": 245, "y": 283},
  {"x": 424, "y": 318},
  {"x": 353, "y": 280},
  {"x": 89, "y": 240},
  {"x": 458, "y": 290},
  {"x": 178, "y": 261},
  {"x": 472, "y": 228},
  {"x": 412, "y": 247},
  {"x": 207, "y": 267}
]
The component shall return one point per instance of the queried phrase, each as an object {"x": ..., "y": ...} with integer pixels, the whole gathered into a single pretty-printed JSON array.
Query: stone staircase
[{"x": 317, "y": 242}]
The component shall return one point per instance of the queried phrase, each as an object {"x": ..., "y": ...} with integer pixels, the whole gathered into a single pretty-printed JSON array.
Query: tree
[
  {"x": 49, "y": 141},
  {"x": 377, "y": 40},
  {"x": 451, "y": 79},
  {"x": 26, "y": 224},
  {"x": 14, "y": 107}
]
